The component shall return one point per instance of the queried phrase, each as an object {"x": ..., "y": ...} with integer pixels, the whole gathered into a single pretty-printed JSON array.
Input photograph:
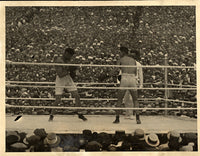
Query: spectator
[
  {"x": 188, "y": 148},
  {"x": 12, "y": 137},
  {"x": 52, "y": 140},
  {"x": 93, "y": 146},
  {"x": 173, "y": 143},
  {"x": 152, "y": 142},
  {"x": 138, "y": 140},
  {"x": 120, "y": 141}
]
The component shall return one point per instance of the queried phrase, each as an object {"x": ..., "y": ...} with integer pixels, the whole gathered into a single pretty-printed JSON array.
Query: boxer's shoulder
[{"x": 127, "y": 60}]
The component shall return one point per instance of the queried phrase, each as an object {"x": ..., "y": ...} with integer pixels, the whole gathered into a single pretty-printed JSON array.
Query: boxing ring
[{"x": 100, "y": 123}]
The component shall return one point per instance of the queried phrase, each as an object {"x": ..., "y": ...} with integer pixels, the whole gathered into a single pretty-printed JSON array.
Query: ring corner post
[{"x": 166, "y": 81}]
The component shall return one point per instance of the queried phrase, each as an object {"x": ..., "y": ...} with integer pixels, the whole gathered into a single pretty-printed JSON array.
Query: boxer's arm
[
  {"x": 74, "y": 70},
  {"x": 112, "y": 73},
  {"x": 60, "y": 72},
  {"x": 103, "y": 77}
]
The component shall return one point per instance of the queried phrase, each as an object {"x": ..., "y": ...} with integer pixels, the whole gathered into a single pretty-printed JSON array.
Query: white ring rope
[
  {"x": 172, "y": 100},
  {"x": 77, "y": 83},
  {"x": 99, "y": 99},
  {"x": 94, "y": 65},
  {"x": 192, "y": 86},
  {"x": 53, "y": 83},
  {"x": 92, "y": 83},
  {"x": 99, "y": 108},
  {"x": 84, "y": 99},
  {"x": 109, "y": 88}
]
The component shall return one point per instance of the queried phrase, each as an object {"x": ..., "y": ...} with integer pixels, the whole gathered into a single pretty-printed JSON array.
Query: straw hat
[
  {"x": 152, "y": 140},
  {"x": 52, "y": 139},
  {"x": 12, "y": 137},
  {"x": 174, "y": 135},
  {"x": 139, "y": 134}
]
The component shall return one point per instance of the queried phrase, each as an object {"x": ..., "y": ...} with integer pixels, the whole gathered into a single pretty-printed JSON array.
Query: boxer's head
[{"x": 68, "y": 53}]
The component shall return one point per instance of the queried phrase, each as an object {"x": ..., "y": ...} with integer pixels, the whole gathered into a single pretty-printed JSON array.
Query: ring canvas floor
[{"x": 100, "y": 123}]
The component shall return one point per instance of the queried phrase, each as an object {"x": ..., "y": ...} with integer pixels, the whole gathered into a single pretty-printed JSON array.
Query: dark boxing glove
[
  {"x": 72, "y": 71},
  {"x": 119, "y": 77}
]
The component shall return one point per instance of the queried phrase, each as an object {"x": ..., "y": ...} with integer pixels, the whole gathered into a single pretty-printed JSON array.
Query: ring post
[{"x": 166, "y": 80}]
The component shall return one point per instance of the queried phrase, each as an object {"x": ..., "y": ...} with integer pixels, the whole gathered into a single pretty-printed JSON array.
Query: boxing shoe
[
  {"x": 51, "y": 117},
  {"x": 81, "y": 116},
  {"x": 138, "y": 119},
  {"x": 116, "y": 120}
]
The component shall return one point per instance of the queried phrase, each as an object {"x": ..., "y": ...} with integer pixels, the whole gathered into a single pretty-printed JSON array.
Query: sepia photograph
[{"x": 100, "y": 78}]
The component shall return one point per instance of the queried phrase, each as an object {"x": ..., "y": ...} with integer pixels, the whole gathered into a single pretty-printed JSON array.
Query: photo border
[{"x": 89, "y": 3}]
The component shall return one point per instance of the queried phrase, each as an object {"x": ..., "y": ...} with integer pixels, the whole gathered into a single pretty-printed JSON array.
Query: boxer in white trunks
[
  {"x": 128, "y": 102},
  {"x": 128, "y": 79},
  {"x": 63, "y": 78}
]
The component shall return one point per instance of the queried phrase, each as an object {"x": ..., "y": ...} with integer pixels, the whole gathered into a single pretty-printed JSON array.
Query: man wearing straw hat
[
  {"x": 152, "y": 142},
  {"x": 128, "y": 79},
  {"x": 63, "y": 78}
]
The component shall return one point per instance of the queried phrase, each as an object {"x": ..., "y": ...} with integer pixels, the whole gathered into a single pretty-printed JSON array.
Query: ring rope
[
  {"x": 91, "y": 83},
  {"x": 99, "y": 99},
  {"x": 172, "y": 100},
  {"x": 53, "y": 83},
  {"x": 99, "y": 108},
  {"x": 77, "y": 83},
  {"x": 192, "y": 86},
  {"x": 94, "y": 65},
  {"x": 84, "y": 99},
  {"x": 126, "y": 88}
]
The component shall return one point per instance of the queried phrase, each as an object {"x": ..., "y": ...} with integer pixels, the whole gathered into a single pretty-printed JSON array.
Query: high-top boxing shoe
[
  {"x": 117, "y": 119},
  {"x": 138, "y": 119}
]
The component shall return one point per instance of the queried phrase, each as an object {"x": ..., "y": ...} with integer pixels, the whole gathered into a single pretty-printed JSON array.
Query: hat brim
[
  {"x": 168, "y": 137},
  {"x": 18, "y": 136},
  {"x": 25, "y": 141},
  {"x": 22, "y": 147},
  {"x": 55, "y": 144},
  {"x": 153, "y": 145},
  {"x": 139, "y": 138}
]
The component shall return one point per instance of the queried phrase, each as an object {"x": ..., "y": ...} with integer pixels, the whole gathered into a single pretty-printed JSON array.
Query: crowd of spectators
[
  {"x": 39, "y": 34},
  {"x": 139, "y": 140}
]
